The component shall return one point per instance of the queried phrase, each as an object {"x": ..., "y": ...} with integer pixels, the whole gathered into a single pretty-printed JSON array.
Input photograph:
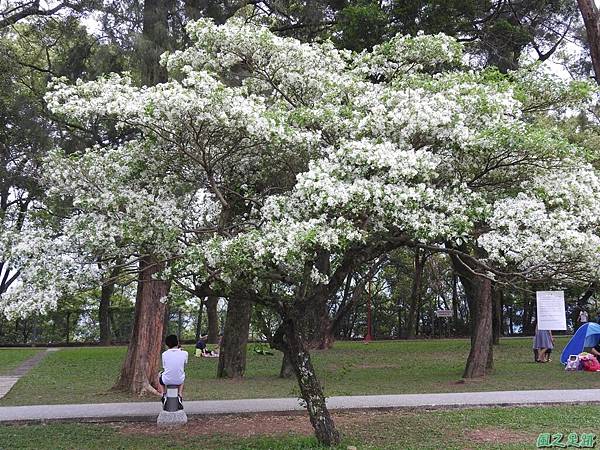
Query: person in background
[
  {"x": 543, "y": 342},
  {"x": 201, "y": 346},
  {"x": 583, "y": 317},
  {"x": 203, "y": 350}
]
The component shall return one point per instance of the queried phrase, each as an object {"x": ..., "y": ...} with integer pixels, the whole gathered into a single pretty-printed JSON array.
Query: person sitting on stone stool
[{"x": 173, "y": 360}]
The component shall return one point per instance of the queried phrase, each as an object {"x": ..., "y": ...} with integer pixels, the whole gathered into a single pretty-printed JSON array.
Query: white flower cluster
[
  {"x": 51, "y": 268},
  {"x": 404, "y": 55},
  {"x": 552, "y": 227}
]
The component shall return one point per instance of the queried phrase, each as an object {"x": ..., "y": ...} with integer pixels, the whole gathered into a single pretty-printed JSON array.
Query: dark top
[{"x": 201, "y": 344}]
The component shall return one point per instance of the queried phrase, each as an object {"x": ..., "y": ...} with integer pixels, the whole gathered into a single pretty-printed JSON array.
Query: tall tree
[
  {"x": 141, "y": 363},
  {"x": 591, "y": 19},
  {"x": 366, "y": 152}
]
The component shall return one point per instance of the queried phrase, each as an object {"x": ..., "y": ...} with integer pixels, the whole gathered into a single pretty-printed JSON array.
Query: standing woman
[{"x": 543, "y": 342}]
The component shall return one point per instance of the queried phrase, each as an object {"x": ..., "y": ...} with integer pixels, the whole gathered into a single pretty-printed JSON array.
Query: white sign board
[
  {"x": 443, "y": 313},
  {"x": 551, "y": 310}
]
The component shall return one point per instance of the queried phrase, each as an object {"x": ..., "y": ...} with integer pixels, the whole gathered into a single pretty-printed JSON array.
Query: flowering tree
[{"x": 271, "y": 169}]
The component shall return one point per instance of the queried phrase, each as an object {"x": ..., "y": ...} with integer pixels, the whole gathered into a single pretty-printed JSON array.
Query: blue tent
[{"x": 588, "y": 335}]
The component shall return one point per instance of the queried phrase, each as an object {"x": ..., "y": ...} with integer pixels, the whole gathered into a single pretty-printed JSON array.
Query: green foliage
[
  {"x": 361, "y": 25},
  {"x": 497, "y": 33}
]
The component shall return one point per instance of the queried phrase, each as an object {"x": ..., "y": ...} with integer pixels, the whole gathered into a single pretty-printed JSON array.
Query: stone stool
[{"x": 172, "y": 413}]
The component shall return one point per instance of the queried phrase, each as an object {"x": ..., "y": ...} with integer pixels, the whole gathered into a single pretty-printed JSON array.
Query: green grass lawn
[
  {"x": 482, "y": 428},
  {"x": 85, "y": 375},
  {"x": 11, "y": 358}
]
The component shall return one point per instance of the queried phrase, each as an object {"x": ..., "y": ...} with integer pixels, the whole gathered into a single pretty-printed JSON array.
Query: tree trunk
[
  {"x": 179, "y": 324},
  {"x": 154, "y": 41},
  {"x": 399, "y": 317},
  {"x": 232, "y": 355},
  {"x": 310, "y": 388},
  {"x": 528, "y": 316},
  {"x": 213, "y": 319},
  {"x": 199, "y": 321},
  {"x": 411, "y": 323},
  {"x": 287, "y": 370},
  {"x": 478, "y": 290},
  {"x": 480, "y": 359},
  {"x": 497, "y": 316},
  {"x": 323, "y": 331},
  {"x": 455, "y": 299},
  {"x": 141, "y": 365},
  {"x": 330, "y": 326},
  {"x": 591, "y": 20},
  {"x": 68, "y": 329},
  {"x": 115, "y": 326},
  {"x": 103, "y": 313}
]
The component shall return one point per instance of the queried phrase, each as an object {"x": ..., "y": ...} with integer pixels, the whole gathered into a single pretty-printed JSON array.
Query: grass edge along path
[
  {"x": 85, "y": 374},
  {"x": 480, "y": 428}
]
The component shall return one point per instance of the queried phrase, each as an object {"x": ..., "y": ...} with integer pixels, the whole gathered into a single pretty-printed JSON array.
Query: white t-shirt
[{"x": 173, "y": 361}]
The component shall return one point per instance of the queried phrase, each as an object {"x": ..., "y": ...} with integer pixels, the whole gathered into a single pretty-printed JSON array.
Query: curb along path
[
  {"x": 8, "y": 381},
  {"x": 206, "y": 407}
]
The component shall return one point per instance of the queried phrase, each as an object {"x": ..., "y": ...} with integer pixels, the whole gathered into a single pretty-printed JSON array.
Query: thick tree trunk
[
  {"x": 310, "y": 388},
  {"x": 213, "y": 319},
  {"x": 141, "y": 365},
  {"x": 232, "y": 355},
  {"x": 591, "y": 20},
  {"x": 316, "y": 319},
  {"x": 103, "y": 313},
  {"x": 479, "y": 293},
  {"x": 480, "y": 356}
]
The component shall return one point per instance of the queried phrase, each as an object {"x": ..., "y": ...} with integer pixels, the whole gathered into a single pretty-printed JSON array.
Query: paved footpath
[
  {"x": 143, "y": 410},
  {"x": 8, "y": 381}
]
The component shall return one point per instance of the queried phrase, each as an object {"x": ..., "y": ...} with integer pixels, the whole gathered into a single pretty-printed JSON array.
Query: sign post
[{"x": 551, "y": 310}]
